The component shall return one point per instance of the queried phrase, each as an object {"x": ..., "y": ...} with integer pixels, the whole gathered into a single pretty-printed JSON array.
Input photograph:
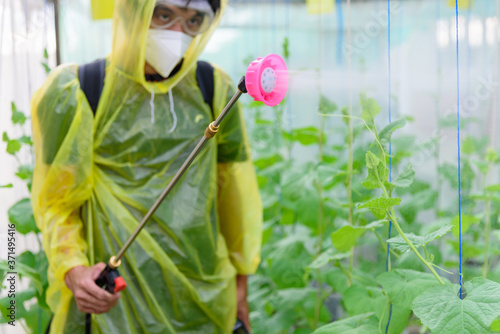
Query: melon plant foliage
[{"x": 330, "y": 193}]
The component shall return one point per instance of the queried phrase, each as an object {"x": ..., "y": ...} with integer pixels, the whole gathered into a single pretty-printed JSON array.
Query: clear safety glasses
[{"x": 195, "y": 17}]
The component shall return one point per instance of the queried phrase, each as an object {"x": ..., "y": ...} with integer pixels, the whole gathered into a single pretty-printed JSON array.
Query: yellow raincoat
[{"x": 96, "y": 177}]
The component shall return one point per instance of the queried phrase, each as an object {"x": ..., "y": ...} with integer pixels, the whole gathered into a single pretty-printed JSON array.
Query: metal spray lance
[{"x": 266, "y": 80}]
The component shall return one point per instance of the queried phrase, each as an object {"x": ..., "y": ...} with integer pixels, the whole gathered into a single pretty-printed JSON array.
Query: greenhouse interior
[{"x": 259, "y": 166}]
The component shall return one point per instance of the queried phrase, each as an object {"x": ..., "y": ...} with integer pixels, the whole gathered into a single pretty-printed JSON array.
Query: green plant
[
  {"x": 323, "y": 216},
  {"x": 31, "y": 306}
]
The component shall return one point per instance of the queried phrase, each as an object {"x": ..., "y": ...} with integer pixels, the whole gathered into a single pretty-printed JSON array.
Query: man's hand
[
  {"x": 242, "y": 304},
  {"x": 89, "y": 297}
]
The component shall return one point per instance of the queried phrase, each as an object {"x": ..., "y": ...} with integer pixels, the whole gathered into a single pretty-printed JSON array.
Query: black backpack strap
[
  {"x": 91, "y": 78},
  {"x": 205, "y": 79},
  {"x": 92, "y": 73}
]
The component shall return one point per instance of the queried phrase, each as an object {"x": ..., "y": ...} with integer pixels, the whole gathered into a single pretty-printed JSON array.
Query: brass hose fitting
[{"x": 211, "y": 130}]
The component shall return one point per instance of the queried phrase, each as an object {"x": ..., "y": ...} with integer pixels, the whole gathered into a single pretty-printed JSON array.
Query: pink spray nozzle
[{"x": 266, "y": 79}]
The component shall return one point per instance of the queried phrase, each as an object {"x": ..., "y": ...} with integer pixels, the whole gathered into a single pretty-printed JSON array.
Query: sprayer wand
[
  {"x": 266, "y": 80},
  {"x": 110, "y": 279}
]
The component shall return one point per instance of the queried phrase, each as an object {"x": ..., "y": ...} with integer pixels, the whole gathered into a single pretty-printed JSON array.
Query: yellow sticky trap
[
  {"x": 319, "y": 6},
  {"x": 102, "y": 9},
  {"x": 462, "y": 4}
]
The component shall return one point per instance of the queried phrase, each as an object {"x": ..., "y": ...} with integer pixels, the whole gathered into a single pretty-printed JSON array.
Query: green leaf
[
  {"x": 287, "y": 262},
  {"x": 6, "y": 185},
  {"x": 27, "y": 258},
  {"x": 399, "y": 318},
  {"x": 403, "y": 286},
  {"x": 20, "y": 298},
  {"x": 493, "y": 188},
  {"x": 443, "y": 311},
  {"x": 21, "y": 214},
  {"x": 5, "y": 137},
  {"x": 288, "y": 216},
  {"x": 13, "y": 146},
  {"x": 308, "y": 207},
  {"x": 301, "y": 300},
  {"x": 386, "y": 133},
  {"x": 326, "y": 257},
  {"x": 37, "y": 318},
  {"x": 371, "y": 160},
  {"x": 345, "y": 238},
  {"x": 370, "y": 108},
  {"x": 483, "y": 167},
  {"x": 308, "y": 307},
  {"x": 491, "y": 155},
  {"x": 326, "y": 106},
  {"x": 416, "y": 187},
  {"x": 307, "y": 136},
  {"x": 469, "y": 250},
  {"x": 405, "y": 178},
  {"x": 359, "y": 324},
  {"x": 467, "y": 221},
  {"x": 345, "y": 112},
  {"x": 46, "y": 68},
  {"x": 280, "y": 321},
  {"x": 335, "y": 278},
  {"x": 25, "y": 172},
  {"x": 379, "y": 205},
  {"x": 421, "y": 200},
  {"x": 26, "y": 271},
  {"x": 374, "y": 164},
  {"x": 449, "y": 172},
  {"x": 266, "y": 161},
  {"x": 359, "y": 299},
  {"x": 286, "y": 51},
  {"x": 294, "y": 181},
  {"x": 293, "y": 297},
  {"x": 468, "y": 145},
  {"x": 26, "y": 140},
  {"x": 397, "y": 243},
  {"x": 17, "y": 116},
  {"x": 495, "y": 326},
  {"x": 328, "y": 175}
]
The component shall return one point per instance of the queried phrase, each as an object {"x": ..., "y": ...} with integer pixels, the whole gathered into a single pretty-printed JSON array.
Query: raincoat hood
[{"x": 131, "y": 21}]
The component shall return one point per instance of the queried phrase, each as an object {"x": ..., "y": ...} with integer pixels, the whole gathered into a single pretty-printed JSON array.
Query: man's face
[{"x": 192, "y": 20}]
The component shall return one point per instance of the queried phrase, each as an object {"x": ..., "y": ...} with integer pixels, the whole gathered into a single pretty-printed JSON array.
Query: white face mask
[{"x": 165, "y": 48}]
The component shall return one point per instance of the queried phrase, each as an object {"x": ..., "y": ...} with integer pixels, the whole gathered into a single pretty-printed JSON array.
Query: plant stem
[
  {"x": 392, "y": 217},
  {"x": 382, "y": 152}
]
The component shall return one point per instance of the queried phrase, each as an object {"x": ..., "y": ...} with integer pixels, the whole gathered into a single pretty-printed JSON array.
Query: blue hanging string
[
  {"x": 469, "y": 54},
  {"x": 459, "y": 169},
  {"x": 340, "y": 30},
  {"x": 390, "y": 116},
  {"x": 387, "y": 259}
]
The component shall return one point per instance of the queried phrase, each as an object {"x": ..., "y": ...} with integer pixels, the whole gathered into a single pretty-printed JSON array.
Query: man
[{"x": 97, "y": 175}]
